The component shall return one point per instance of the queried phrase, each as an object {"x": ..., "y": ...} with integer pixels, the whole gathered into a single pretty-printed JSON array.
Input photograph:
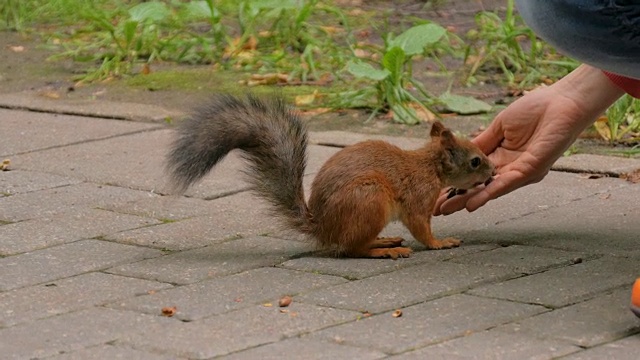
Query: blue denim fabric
[{"x": 601, "y": 33}]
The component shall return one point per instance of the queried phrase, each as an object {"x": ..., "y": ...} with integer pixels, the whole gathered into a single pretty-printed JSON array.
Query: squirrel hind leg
[{"x": 381, "y": 247}]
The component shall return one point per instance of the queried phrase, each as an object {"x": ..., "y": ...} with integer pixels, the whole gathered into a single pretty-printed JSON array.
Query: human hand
[{"x": 526, "y": 138}]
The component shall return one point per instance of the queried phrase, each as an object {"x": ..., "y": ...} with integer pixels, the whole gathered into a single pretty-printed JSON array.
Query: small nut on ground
[
  {"x": 169, "y": 311},
  {"x": 397, "y": 313},
  {"x": 285, "y": 301}
]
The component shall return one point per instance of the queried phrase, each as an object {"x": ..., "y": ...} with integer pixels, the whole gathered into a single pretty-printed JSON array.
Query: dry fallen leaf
[
  {"x": 397, "y": 313},
  {"x": 169, "y": 311},
  {"x": 632, "y": 177},
  {"x": 146, "y": 69},
  {"x": 306, "y": 100},
  {"x": 285, "y": 301},
  {"x": 5, "y": 165}
]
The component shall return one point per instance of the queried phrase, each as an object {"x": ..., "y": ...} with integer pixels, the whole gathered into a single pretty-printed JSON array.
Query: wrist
[{"x": 591, "y": 91}]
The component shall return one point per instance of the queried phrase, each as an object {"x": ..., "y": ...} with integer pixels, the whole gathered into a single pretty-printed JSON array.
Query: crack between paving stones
[
  {"x": 71, "y": 113},
  {"x": 159, "y": 127}
]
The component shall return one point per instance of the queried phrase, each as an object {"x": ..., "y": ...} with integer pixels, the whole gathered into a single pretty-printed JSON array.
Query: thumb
[{"x": 491, "y": 138}]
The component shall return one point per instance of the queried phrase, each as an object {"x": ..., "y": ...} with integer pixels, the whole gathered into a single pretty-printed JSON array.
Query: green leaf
[
  {"x": 129, "y": 30},
  {"x": 463, "y": 105},
  {"x": 364, "y": 70},
  {"x": 393, "y": 61},
  {"x": 414, "y": 40},
  {"x": 199, "y": 9},
  {"x": 155, "y": 11}
]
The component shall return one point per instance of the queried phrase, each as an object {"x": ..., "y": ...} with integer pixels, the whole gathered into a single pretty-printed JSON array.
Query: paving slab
[
  {"x": 305, "y": 349},
  {"x": 221, "y": 295},
  {"x": 524, "y": 259},
  {"x": 31, "y": 131},
  {"x": 217, "y": 260},
  {"x": 234, "y": 216},
  {"x": 363, "y": 268},
  {"x": 65, "y": 227},
  {"x": 66, "y": 260},
  {"x": 344, "y": 138},
  {"x": 19, "y": 182},
  {"x": 492, "y": 344},
  {"x": 169, "y": 208},
  {"x": 68, "y": 295},
  {"x": 73, "y": 331},
  {"x": 112, "y": 352},
  {"x": 406, "y": 286},
  {"x": 602, "y": 319},
  {"x": 64, "y": 199},
  {"x": 606, "y": 224},
  {"x": 597, "y": 164},
  {"x": 249, "y": 327},
  {"x": 566, "y": 285},
  {"x": 624, "y": 349},
  {"x": 427, "y": 323},
  {"x": 97, "y": 108}
]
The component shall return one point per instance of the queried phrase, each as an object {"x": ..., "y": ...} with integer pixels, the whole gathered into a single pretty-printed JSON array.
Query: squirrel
[{"x": 356, "y": 193}]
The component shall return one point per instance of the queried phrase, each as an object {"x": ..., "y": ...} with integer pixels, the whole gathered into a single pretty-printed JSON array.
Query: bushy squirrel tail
[{"x": 272, "y": 138}]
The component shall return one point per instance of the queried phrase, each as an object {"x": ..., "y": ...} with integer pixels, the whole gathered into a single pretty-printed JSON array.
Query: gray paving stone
[
  {"x": 566, "y": 285},
  {"x": 67, "y": 295},
  {"x": 220, "y": 295},
  {"x": 624, "y": 349},
  {"x": 524, "y": 259},
  {"x": 66, "y": 260},
  {"x": 73, "y": 331},
  {"x": 344, "y": 138},
  {"x": 590, "y": 323},
  {"x": 229, "y": 217},
  {"x": 133, "y": 161},
  {"x": 238, "y": 330},
  {"x": 165, "y": 207},
  {"x": 18, "y": 182},
  {"x": 305, "y": 349},
  {"x": 110, "y": 352},
  {"x": 62, "y": 228},
  {"x": 598, "y": 164},
  {"x": 407, "y": 286},
  {"x": 89, "y": 107},
  {"x": 492, "y": 344},
  {"x": 427, "y": 323},
  {"x": 214, "y": 261},
  {"x": 64, "y": 199},
  {"x": 30, "y": 131},
  {"x": 601, "y": 224},
  {"x": 363, "y": 268}
]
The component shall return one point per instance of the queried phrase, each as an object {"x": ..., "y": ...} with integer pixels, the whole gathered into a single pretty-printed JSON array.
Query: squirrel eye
[{"x": 475, "y": 162}]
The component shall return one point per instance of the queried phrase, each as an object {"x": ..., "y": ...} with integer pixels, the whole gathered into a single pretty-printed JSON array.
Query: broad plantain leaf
[
  {"x": 154, "y": 10},
  {"x": 414, "y": 40},
  {"x": 463, "y": 105},
  {"x": 364, "y": 70}
]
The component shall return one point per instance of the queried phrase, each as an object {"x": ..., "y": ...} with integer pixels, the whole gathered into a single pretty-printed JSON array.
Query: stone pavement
[{"x": 91, "y": 250}]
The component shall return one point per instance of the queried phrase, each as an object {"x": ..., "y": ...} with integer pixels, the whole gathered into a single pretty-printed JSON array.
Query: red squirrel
[{"x": 356, "y": 193}]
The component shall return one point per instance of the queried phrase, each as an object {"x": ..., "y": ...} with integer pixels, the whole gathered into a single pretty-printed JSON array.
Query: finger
[
  {"x": 457, "y": 203},
  {"x": 501, "y": 185}
]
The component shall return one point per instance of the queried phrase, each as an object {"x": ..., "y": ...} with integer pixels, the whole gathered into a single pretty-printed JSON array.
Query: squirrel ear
[
  {"x": 437, "y": 128},
  {"x": 439, "y": 131}
]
